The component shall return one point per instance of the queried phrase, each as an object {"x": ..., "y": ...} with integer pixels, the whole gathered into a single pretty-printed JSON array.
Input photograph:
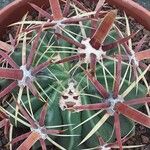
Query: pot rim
[{"x": 17, "y": 9}]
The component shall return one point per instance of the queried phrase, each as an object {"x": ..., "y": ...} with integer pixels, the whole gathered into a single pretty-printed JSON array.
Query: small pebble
[{"x": 145, "y": 139}]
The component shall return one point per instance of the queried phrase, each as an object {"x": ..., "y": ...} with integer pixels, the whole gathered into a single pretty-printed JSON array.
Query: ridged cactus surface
[{"x": 73, "y": 80}]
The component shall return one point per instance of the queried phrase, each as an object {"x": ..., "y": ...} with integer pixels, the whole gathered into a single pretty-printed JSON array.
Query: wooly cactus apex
[{"x": 72, "y": 79}]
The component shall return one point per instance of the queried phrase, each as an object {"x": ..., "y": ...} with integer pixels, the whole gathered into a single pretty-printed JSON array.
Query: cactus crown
[{"x": 72, "y": 79}]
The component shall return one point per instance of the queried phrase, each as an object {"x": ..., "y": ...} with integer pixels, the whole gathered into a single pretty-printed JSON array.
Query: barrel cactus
[{"x": 67, "y": 78}]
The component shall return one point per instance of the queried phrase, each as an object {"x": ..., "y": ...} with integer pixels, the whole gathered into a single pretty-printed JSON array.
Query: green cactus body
[{"x": 64, "y": 86}]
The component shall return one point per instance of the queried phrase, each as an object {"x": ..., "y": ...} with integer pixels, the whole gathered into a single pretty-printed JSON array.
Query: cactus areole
[{"x": 72, "y": 79}]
